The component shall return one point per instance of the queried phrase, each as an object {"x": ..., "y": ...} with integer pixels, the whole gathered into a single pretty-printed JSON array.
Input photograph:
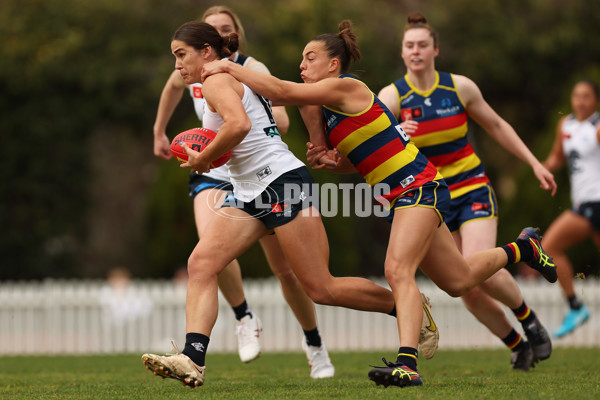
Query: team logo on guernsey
[
  {"x": 412, "y": 113},
  {"x": 197, "y": 92}
]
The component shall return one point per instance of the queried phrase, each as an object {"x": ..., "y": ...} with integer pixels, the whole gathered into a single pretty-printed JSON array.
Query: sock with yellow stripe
[
  {"x": 514, "y": 341},
  {"x": 524, "y": 314},
  {"x": 408, "y": 356},
  {"x": 519, "y": 250}
]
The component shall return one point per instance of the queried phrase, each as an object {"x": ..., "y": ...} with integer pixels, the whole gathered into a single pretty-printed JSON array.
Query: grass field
[{"x": 568, "y": 374}]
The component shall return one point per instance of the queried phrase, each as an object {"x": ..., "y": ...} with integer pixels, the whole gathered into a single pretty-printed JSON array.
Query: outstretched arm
[
  {"x": 500, "y": 130},
  {"x": 330, "y": 91}
]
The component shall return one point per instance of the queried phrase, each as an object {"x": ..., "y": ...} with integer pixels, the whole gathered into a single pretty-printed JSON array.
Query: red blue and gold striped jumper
[
  {"x": 442, "y": 132},
  {"x": 379, "y": 149}
]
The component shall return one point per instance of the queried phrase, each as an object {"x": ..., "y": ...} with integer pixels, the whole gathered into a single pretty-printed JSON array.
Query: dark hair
[
  {"x": 417, "y": 20},
  {"x": 200, "y": 35},
  {"x": 592, "y": 86},
  {"x": 344, "y": 45}
]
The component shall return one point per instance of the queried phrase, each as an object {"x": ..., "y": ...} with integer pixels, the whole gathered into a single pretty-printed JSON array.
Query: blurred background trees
[{"x": 81, "y": 191}]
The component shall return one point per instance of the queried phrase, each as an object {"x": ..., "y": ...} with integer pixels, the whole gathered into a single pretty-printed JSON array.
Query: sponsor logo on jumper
[
  {"x": 197, "y": 91},
  {"x": 412, "y": 113},
  {"x": 448, "y": 110},
  {"x": 427, "y": 102},
  {"x": 407, "y": 100},
  {"x": 446, "y": 102}
]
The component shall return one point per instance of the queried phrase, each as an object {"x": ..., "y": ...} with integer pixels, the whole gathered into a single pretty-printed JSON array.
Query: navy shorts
[
  {"x": 281, "y": 201},
  {"x": 474, "y": 205},
  {"x": 591, "y": 212},
  {"x": 434, "y": 194},
  {"x": 199, "y": 182}
]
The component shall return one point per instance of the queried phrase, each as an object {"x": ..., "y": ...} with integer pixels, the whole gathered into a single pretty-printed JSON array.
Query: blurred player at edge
[{"x": 577, "y": 143}]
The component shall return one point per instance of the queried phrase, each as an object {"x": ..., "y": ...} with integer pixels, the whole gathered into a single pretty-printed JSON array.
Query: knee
[
  {"x": 397, "y": 273},
  {"x": 200, "y": 267},
  {"x": 456, "y": 289},
  {"x": 472, "y": 297},
  {"x": 287, "y": 277},
  {"x": 320, "y": 294}
]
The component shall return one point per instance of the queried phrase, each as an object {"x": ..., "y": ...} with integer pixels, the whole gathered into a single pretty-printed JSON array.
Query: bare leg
[
  {"x": 215, "y": 251},
  {"x": 413, "y": 229},
  {"x": 206, "y": 204},
  {"x": 302, "y": 306},
  {"x": 304, "y": 243},
  {"x": 480, "y": 235},
  {"x": 567, "y": 230}
]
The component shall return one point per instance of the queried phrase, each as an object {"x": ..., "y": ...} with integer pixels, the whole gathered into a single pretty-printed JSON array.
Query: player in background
[
  {"x": 577, "y": 143},
  {"x": 433, "y": 108},
  {"x": 208, "y": 192},
  {"x": 361, "y": 128}
]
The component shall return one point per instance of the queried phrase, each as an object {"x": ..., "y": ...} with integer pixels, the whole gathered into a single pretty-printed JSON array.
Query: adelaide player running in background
[{"x": 433, "y": 108}]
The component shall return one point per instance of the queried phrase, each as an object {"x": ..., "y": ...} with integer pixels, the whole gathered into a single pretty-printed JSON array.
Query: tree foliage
[{"x": 80, "y": 80}]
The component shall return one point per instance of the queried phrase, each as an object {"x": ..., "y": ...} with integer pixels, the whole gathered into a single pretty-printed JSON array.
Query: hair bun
[{"x": 416, "y": 18}]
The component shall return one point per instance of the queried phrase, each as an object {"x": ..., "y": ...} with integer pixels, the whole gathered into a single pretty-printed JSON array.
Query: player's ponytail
[
  {"x": 230, "y": 44},
  {"x": 344, "y": 45},
  {"x": 350, "y": 40}
]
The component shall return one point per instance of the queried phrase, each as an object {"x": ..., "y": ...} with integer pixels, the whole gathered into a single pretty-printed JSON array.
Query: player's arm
[
  {"x": 169, "y": 98},
  {"x": 330, "y": 91},
  {"x": 319, "y": 155},
  {"x": 389, "y": 96},
  {"x": 556, "y": 158},
  {"x": 223, "y": 94},
  {"x": 481, "y": 112},
  {"x": 279, "y": 113}
]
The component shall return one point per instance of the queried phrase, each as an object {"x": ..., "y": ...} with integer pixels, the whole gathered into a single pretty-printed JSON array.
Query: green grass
[{"x": 478, "y": 374}]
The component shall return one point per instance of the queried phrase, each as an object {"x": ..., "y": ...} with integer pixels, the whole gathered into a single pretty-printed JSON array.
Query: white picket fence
[{"x": 86, "y": 317}]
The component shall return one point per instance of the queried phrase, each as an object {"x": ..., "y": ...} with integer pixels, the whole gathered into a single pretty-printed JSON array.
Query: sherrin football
[{"x": 197, "y": 139}]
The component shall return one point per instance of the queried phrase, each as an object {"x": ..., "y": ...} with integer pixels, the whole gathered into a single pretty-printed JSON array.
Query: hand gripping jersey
[
  {"x": 581, "y": 147},
  {"x": 442, "y": 132},
  {"x": 262, "y": 156},
  {"x": 379, "y": 148},
  {"x": 220, "y": 173}
]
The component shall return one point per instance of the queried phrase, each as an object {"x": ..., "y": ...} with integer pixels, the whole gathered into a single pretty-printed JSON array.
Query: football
[{"x": 197, "y": 139}]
